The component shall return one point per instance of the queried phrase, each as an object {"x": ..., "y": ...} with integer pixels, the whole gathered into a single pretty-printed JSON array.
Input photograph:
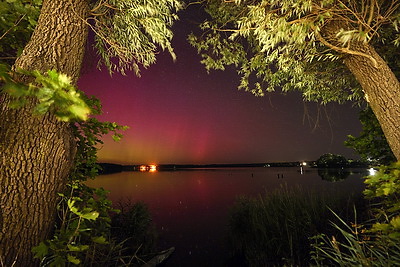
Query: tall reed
[
  {"x": 275, "y": 229},
  {"x": 375, "y": 242}
]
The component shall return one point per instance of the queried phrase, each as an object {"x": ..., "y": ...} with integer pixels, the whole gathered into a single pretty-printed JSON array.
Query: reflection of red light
[{"x": 152, "y": 168}]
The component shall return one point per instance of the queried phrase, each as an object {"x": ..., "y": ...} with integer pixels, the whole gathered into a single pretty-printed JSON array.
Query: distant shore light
[
  {"x": 372, "y": 171},
  {"x": 143, "y": 168},
  {"x": 148, "y": 168}
]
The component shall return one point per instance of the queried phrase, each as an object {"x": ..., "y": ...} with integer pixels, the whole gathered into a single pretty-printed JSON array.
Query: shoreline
[{"x": 108, "y": 168}]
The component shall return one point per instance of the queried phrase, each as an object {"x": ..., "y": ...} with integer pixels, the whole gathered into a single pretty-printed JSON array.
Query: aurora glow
[{"x": 178, "y": 113}]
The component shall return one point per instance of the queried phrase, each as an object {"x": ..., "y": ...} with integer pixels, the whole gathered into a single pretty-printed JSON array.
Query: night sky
[{"x": 177, "y": 113}]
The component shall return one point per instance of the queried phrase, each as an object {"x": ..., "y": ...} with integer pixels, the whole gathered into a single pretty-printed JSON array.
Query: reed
[
  {"x": 275, "y": 229},
  {"x": 354, "y": 245},
  {"x": 373, "y": 242}
]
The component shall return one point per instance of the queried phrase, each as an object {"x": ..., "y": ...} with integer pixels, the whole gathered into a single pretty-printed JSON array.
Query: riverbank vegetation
[
  {"x": 292, "y": 227},
  {"x": 295, "y": 228},
  {"x": 276, "y": 229},
  {"x": 374, "y": 242}
]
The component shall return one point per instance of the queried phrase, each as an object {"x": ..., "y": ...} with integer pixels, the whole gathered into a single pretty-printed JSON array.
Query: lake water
[{"x": 190, "y": 207}]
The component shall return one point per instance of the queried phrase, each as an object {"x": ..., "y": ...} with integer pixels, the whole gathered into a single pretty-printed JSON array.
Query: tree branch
[
  {"x": 15, "y": 25},
  {"x": 346, "y": 50},
  {"x": 371, "y": 12}
]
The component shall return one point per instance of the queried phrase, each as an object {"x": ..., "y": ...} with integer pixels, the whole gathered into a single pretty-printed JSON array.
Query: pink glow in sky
[{"x": 177, "y": 113}]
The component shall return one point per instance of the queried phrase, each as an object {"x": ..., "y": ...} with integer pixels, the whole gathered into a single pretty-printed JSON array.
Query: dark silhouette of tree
[{"x": 371, "y": 144}]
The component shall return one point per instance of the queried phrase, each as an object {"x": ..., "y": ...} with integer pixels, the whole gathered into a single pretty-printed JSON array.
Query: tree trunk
[
  {"x": 382, "y": 91},
  {"x": 37, "y": 152}
]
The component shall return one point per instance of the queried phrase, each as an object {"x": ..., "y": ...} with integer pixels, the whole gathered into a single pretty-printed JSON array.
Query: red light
[
  {"x": 148, "y": 168},
  {"x": 152, "y": 168},
  {"x": 143, "y": 168}
]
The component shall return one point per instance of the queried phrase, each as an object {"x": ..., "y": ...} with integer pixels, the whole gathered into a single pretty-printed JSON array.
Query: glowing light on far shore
[
  {"x": 143, "y": 168},
  {"x": 148, "y": 168}
]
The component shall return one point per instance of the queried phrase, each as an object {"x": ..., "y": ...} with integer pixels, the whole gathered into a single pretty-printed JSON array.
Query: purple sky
[{"x": 177, "y": 113}]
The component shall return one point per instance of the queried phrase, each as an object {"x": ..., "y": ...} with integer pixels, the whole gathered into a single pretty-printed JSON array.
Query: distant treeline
[
  {"x": 107, "y": 168},
  {"x": 211, "y": 166}
]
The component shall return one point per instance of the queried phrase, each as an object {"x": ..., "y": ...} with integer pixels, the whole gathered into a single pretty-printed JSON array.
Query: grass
[{"x": 275, "y": 229}]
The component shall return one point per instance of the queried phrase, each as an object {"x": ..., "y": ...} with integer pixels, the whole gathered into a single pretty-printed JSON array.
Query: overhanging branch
[{"x": 346, "y": 50}]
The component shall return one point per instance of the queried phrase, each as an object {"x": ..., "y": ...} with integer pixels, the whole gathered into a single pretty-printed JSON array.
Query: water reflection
[
  {"x": 190, "y": 208},
  {"x": 338, "y": 174},
  {"x": 333, "y": 175}
]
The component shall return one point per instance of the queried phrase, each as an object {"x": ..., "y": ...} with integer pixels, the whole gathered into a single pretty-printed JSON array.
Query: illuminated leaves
[
  {"x": 86, "y": 213},
  {"x": 129, "y": 33},
  {"x": 277, "y": 44},
  {"x": 384, "y": 188},
  {"x": 85, "y": 226},
  {"x": 384, "y": 183},
  {"x": 53, "y": 91}
]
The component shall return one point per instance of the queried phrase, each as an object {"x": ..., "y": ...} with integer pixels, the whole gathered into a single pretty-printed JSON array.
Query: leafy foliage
[
  {"x": 384, "y": 188},
  {"x": 353, "y": 246},
  {"x": 330, "y": 160},
  {"x": 83, "y": 232},
  {"x": 53, "y": 91},
  {"x": 289, "y": 45},
  {"x": 17, "y": 21},
  {"x": 134, "y": 226},
  {"x": 84, "y": 227},
  {"x": 371, "y": 145},
  {"x": 128, "y": 32},
  {"x": 372, "y": 243},
  {"x": 84, "y": 212}
]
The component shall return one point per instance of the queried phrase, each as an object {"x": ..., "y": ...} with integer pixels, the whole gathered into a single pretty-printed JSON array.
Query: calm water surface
[{"x": 190, "y": 207}]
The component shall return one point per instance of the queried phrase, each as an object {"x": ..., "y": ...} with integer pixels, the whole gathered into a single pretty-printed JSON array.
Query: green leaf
[
  {"x": 380, "y": 227},
  {"x": 41, "y": 250},
  {"x": 42, "y": 108},
  {"x": 90, "y": 215},
  {"x": 72, "y": 208},
  {"x": 79, "y": 248},
  {"x": 395, "y": 222},
  {"x": 80, "y": 111},
  {"x": 99, "y": 240},
  {"x": 117, "y": 137},
  {"x": 73, "y": 259},
  {"x": 15, "y": 90}
]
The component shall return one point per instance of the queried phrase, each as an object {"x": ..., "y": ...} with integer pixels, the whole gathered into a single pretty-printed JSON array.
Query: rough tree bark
[
  {"x": 382, "y": 91},
  {"x": 36, "y": 152},
  {"x": 380, "y": 85}
]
